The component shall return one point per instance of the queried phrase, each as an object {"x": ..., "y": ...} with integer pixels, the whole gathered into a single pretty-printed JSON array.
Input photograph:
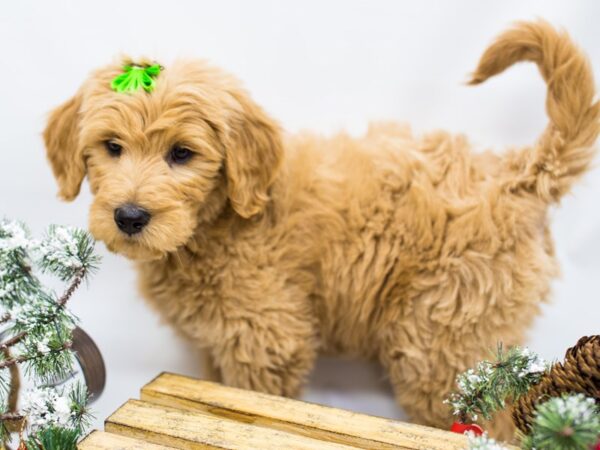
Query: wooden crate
[{"x": 177, "y": 412}]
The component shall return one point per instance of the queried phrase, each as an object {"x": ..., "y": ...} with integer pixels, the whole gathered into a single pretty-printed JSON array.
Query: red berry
[{"x": 462, "y": 428}]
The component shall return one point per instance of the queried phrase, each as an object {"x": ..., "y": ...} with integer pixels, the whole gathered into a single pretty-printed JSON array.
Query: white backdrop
[{"x": 312, "y": 64}]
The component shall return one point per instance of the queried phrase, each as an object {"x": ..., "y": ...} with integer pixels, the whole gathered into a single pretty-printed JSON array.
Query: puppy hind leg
[
  {"x": 422, "y": 379},
  {"x": 418, "y": 389}
]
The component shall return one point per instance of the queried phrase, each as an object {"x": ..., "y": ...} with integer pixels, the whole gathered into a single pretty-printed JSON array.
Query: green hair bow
[{"x": 136, "y": 76}]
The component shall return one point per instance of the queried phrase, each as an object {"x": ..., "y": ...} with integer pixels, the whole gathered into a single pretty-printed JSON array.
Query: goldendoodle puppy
[{"x": 267, "y": 249}]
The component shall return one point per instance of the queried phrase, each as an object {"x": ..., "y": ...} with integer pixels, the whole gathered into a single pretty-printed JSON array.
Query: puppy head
[{"x": 175, "y": 155}]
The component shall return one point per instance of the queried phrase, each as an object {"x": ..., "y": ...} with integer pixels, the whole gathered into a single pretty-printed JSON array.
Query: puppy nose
[{"x": 131, "y": 219}]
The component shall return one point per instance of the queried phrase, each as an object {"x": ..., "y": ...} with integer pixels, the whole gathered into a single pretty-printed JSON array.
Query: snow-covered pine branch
[
  {"x": 485, "y": 389},
  {"x": 37, "y": 327}
]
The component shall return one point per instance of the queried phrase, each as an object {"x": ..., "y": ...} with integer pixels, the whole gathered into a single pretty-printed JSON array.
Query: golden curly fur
[{"x": 267, "y": 249}]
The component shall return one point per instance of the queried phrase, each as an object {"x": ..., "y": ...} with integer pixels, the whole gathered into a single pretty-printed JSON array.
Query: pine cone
[{"x": 578, "y": 374}]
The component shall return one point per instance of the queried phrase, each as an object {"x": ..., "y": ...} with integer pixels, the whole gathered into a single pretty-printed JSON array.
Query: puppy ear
[
  {"x": 61, "y": 137},
  {"x": 253, "y": 154}
]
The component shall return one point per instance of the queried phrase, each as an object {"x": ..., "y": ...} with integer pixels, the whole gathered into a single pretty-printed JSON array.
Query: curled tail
[{"x": 565, "y": 149}]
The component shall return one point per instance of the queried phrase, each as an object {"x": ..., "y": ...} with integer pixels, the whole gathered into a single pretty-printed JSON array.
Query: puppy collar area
[{"x": 136, "y": 76}]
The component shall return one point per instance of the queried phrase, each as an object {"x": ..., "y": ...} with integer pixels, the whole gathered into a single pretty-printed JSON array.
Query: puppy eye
[
  {"x": 113, "y": 148},
  {"x": 179, "y": 155}
]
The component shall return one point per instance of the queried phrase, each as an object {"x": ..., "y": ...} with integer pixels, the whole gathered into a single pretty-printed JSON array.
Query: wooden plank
[
  {"x": 306, "y": 419},
  {"x": 100, "y": 440},
  {"x": 196, "y": 430}
]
